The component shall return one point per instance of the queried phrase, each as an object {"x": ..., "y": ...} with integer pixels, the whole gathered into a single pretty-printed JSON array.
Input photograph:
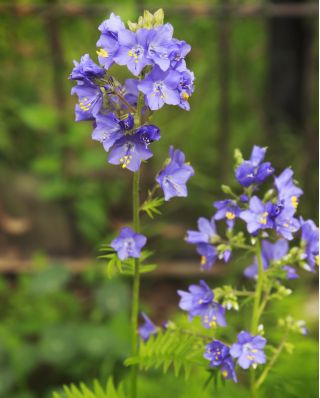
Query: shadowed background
[{"x": 256, "y": 68}]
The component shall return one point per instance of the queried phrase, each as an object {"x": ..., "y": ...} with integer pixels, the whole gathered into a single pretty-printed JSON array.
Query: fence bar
[{"x": 197, "y": 10}]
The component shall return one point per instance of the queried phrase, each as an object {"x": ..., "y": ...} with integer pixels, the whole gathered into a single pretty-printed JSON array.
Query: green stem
[
  {"x": 136, "y": 289},
  {"x": 267, "y": 369},
  {"x": 256, "y": 313},
  {"x": 136, "y": 276}
]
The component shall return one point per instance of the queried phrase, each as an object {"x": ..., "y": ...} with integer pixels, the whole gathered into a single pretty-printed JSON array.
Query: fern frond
[
  {"x": 171, "y": 349},
  {"x": 109, "y": 391}
]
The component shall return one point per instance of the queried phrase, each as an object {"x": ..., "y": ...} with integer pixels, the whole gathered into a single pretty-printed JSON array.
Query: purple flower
[
  {"x": 285, "y": 224},
  {"x": 86, "y": 70},
  {"x": 196, "y": 301},
  {"x": 147, "y": 329},
  {"x": 208, "y": 255},
  {"x": 90, "y": 100},
  {"x": 252, "y": 171},
  {"x": 161, "y": 88},
  {"x": 310, "y": 239},
  {"x": 257, "y": 216},
  {"x": 112, "y": 26},
  {"x": 219, "y": 356},
  {"x": 129, "y": 151},
  {"x": 288, "y": 192},
  {"x": 132, "y": 50},
  {"x": 159, "y": 41},
  {"x": 128, "y": 243},
  {"x": 271, "y": 252},
  {"x": 199, "y": 302},
  {"x": 248, "y": 350},
  {"x": 148, "y": 134},
  {"x": 174, "y": 176},
  {"x": 207, "y": 232},
  {"x": 108, "y": 130},
  {"x": 227, "y": 209},
  {"x": 186, "y": 88},
  {"x": 178, "y": 51},
  {"x": 269, "y": 215}
]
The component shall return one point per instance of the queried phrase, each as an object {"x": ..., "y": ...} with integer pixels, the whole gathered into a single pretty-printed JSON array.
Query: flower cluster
[
  {"x": 199, "y": 301},
  {"x": 272, "y": 214},
  {"x": 120, "y": 112},
  {"x": 271, "y": 223}
]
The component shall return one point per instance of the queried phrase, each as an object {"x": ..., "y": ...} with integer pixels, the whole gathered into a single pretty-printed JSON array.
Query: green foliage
[
  {"x": 171, "y": 349},
  {"x": 126, "y": 267},
  {"x": 151, "y": 206},
  {"x": 109, "y": 391}
]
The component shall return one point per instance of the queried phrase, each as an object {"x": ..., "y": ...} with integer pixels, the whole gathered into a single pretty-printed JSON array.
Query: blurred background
[{"x": 256, "y": 68}]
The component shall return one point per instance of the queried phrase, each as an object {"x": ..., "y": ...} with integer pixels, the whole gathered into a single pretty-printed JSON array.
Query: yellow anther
[
  {"x": 254, "y": 350},
  {"x": 213, "y": 324},
  {"x": 294, "y": 201},
  {"x": 230, "y": 215},
  {"x": 224, "y": 373},
  {"x": 185, "y": 96},
  {"x": 317, "y": 259},
  {"x": 250, "y": 357},
  {"x": 203, "y": 260},
  {"x": 102, "y": 53},
  {"x": 263, "y": 219}
]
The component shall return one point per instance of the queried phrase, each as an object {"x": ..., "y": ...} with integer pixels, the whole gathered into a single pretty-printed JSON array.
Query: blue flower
[
  {"x": 271, "y": 252},
  {"x": 207, "y": 232},
  {"x": 257, "y": 216},
  {"x": 90, "y": 100},
  {"x": 173, "y": 178},
  {"x": 196, "y": 301},
  {"x": 199, "y": 302},
  {"x": 148, "y": 328},
  {"x": 159, "y": 41},
  {"x": 252, "y": 171},
  {"x": 178, "y": 51},
  {"x": 249, "y": 350},
  {"x": 185, "y": 88},
  {"x": 285, "y": 224},
  {"x": 86, "y": 70},
  {"x": 132, "y": 50},
  {"x": 128, "y": 244},
  {"x": 310, "y": 240},
  {"x": 161, "y": 88},
  {"x": 108, "y": 41},
  {"x": 288, "y": 192},
  {"x": 208, "y": 255},
  {"x": 219, "y": 356},
  {"x": 108, "y": 130},
  {"x": 227, "y": 209}
]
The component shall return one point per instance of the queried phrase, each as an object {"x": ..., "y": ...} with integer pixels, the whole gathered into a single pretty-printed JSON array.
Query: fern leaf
[{"x": 171, "y": 349}]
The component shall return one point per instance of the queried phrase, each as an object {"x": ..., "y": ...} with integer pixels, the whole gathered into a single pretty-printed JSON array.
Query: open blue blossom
[
  {"x": 288, "y": 192},
  {"x": 196, "y": 301},
  {"x": 161, "y": 88},
  {"x": 252, "y": 171},
  {"x": 310, "y": 240},
  {"x": 108, "y": 41},
  {"x": 219, "y": 356},
  {"x": 199, "y": 301},
  {"x": 285, "y": 224},
  {"x": 148, "y": 328},
  {"x": 173, "y": 178},
  {"x": 128, "y": 244},
  {"x": 159, "y": 41},
  {"x": 249, "y": 350},
  {"x": 90, "y": 99},
  {"x": 132, "y": 50},
  {"x": 108, "y": 130},
  {"x": 86, "y": 70},
  {"x": 257, "y": 216},
  {"x": 207, "y": 232},
  {"x": 129, "y": 151},
  {"x": 271, "y": 252},
  {"x": 227, "y": 209}
]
